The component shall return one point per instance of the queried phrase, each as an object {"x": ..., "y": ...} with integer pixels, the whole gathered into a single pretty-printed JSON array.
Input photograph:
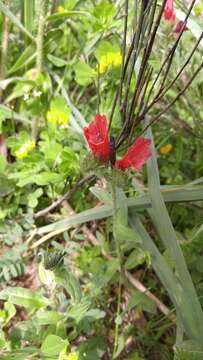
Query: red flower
[
  {"x": 104, "y": 148},
  {"x": 169, "y": 12},
  {"x": 181, "y": 25},
  {"x": 97, "y": 137},
  {"x": 136, "y": 155}
]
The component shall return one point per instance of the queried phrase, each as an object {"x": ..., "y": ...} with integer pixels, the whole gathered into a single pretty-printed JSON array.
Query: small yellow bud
[
  {"x": 60, "y": 9},
  {"x": 164, "y": 150},
  {"x": 25, "y": 149}
]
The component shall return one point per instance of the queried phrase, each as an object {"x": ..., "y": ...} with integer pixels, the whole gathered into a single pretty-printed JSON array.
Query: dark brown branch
[{"x": 66, "y": 196}]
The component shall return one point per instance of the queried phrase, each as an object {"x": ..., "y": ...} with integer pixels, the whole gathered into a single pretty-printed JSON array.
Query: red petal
[
  {"x": 97, "y": 137},
  {"x": 181, "y": 25},
  {"x": 136, "y": 155},
  {"x": 169, "y": 13}
]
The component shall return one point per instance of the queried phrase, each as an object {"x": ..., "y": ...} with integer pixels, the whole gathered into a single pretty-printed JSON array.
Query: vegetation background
[{"x": 66, "y": 293}]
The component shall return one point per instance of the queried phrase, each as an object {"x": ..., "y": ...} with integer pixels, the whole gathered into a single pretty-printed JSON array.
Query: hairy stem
[
  {"x": 39, "y": 61},
  {"x": 4, "y": 48}
]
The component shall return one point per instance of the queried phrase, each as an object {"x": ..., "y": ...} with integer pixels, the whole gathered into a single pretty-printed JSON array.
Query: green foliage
[{"x": 67, "y": 310}]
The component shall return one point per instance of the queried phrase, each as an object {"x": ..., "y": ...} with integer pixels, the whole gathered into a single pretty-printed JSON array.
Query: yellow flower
[
  {"x": 25, "y": 149},
  {"x": 166, "y": 149},
  {"x": 56, "y": 116},
  {"x": 60, "y": 9},
  {"x": 73, "y": 356},
  {"x": 110, "y": 59}
]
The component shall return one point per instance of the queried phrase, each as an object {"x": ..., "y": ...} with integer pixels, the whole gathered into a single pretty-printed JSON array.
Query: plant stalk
[
  {"x": 43, "y": 4},
  {"x": 4, "y": 48},
  {"x": 119, "y": 255}
]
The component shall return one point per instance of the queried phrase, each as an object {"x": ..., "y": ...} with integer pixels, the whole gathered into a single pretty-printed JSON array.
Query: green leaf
[
  {"x": 2, "y": 339},
  {"x": 24, "y": 59},
  {"x": 84, "y": 74},
  {"x": 10, "y": 312},
  {"x": 141, "y": 301},
  {"x": 53, "y": 345},
  {"x": 22, "y": 87},
  {"x": 58, "y": 62},
  {"x": 44, "y": 317},
  {"x": 33, "y": 197},
  {"x": 101, "y": 194},
  {"x": 47, "y": 177},
  {"x": 66, "y": 14},
  {"x": 137, "y": 257},
  {"x": 7, "y": 113},
  {"x": 15, "y": 20},
  {"x": 171, "y": 195},
  {"x": 191, "y": 312},
  {"x": 70, "y": 283},
  {"x": 24, "y": 297},
  {"x": 3, "y": 164},
  {"x": 105, "y": 47},
  {"x": 125, "y": 233}
]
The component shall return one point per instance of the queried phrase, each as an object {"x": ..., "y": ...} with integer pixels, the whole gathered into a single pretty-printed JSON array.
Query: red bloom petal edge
[
  {"x": 169, "y": 13},
  {"x": 181, "y": 25},
  {"x": 97, "y": 137},
  {"x": 136, "y": 156}
]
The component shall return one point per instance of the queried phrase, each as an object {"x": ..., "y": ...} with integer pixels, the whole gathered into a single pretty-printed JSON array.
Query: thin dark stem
[
  {"x": 144, "y": 64},
  {"x": 123, "y": 50},
  {"x": 113, "y": 108},
  {"x": 146, "y": 83},
  {"x": 176, "y": 98},
  {"x": 168, "y": 57},
  {"x": 134, "y": 58},
  {"x": 159, "y": 96},
  {"x": 64, "y": 197}
]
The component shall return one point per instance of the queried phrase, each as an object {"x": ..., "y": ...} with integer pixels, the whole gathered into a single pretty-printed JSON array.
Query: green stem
[
  {"x": 4, "y": 48},
  {"x": 119, "y": 254},
  {"x": 40, "y": 35},
  {"x": 39, "y": 61}
]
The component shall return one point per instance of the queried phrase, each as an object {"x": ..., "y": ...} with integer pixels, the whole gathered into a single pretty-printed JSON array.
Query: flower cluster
[
  {"x": 109, "y": 59},
  {"x": 170, "y": 15},
  {"x": 25, "y": 149},
  {"x": 100, "y": 144}
]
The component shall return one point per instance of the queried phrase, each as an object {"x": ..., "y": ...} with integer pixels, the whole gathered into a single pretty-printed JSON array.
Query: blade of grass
[
  {"x": 162, "y": 222},
  {"x": 168, "y": 278},
  {"x": 15, "y": 21},
  {"x": 139, "y": 203}
]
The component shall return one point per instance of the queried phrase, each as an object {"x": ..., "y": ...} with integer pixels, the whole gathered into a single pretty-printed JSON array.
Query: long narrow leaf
[
  {"x": 139, "y": 203},
  {"x": 15, "y": 20},
  {"x": 161, "y": 220}
]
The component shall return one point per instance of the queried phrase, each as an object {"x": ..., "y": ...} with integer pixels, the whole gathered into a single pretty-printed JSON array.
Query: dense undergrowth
[{"x": 76, "y": 282}]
